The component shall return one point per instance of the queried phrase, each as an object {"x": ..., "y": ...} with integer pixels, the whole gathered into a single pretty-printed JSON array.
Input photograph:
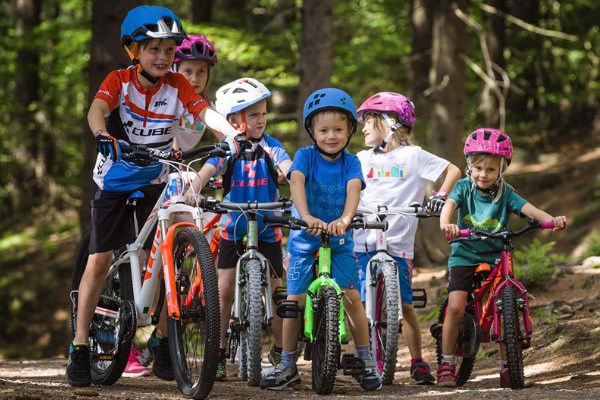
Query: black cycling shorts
[
  {"x": 230, "y": 252},
  {"x": 111, "y": 225},
  {"x": 460, "y": 278}
]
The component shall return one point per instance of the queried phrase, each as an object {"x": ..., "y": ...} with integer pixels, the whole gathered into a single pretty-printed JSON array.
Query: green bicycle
[{"x": 323, "y": 328}]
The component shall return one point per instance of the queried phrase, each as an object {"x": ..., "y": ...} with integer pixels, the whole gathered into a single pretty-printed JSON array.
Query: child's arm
[
  {"x": 298, "y": 192},
  {"x": 446, "y": 217},
  {"x": 216, "y": 123},
  {"x": 282, "y": 169},
  {"x": 534, "y": 212},
  {"x": 95, "y": 117},
  {"x": 207, "y": 171},
  {"x": 338, "y": 226},
  {"x": 437, "y": 200}
]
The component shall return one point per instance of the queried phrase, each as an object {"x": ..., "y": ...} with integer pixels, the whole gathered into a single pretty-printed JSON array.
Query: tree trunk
[
  {"x": 316, "y": 54},
  {"x": 495, "y": 39},
  {"x": 28, "y": 181},
  {"x": 421, "y": 22},
  {"x": 106, "y": 55},
  {"x": 202, "y": 11}
]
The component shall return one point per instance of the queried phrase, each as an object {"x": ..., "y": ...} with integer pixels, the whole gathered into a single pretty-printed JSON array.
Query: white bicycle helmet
[{"x": 239, "y": 95}]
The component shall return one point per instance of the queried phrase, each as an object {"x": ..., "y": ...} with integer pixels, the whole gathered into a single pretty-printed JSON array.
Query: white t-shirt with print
[{"x": 396, "y": 179}]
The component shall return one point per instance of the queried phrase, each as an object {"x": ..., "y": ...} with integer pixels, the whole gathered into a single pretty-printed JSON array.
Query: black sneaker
[
  {"x": 370, "y": 379},
  {"x": 78, "y": 367},
  {"x": 161, "y": 367},
  {"x": 282, "y": 377},
  {"x": 421, "y": 374}
]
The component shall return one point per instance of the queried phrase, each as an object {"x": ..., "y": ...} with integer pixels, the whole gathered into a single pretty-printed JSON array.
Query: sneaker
[
  {"x": 275, "y": 355},
  {"x": 370, "y": 379},
  {"x": 78, "y": 366},
  {"x": 282, "y": 377},
  {"x": 505, "y": 380},
  {"x": 134, "y": 368},
  {"x": 421, "y": 373},
  {"x": 446, "y": 375},
  {"x": 161, "y": 367}
]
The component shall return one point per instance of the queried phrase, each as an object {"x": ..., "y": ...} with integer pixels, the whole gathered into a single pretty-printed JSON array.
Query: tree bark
[
  {"x": 316, "y": 55},
  {"x": 106, "y": 55},
  {"x": 421, "y": 23},
  {"x": 202, "y": 11}
]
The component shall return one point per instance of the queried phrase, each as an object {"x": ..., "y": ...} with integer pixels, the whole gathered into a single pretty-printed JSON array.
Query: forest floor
[{"x": 563, "y": 361}]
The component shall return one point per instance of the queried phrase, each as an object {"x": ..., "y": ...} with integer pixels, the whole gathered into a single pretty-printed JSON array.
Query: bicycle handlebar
[
  {"x": 416, "y": 209},
  {"x": 221, "y": 207},
  {"x": 474, "y": 234},
  {"x": 297, "y": 224},
  {"x": 142, "y": 154}
]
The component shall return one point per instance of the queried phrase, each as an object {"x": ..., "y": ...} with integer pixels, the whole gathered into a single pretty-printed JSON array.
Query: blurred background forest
[{"x": 529, "y": 67}]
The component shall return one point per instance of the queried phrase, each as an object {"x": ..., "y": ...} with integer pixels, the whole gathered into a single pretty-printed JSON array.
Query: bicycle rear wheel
[
  {"x": 194, "y": 338},
  {"x": 467, "y": 344},
  {"x": 113, "y": 323},
  {"x": 384, "y": 333},
  {"x": 512, "y": 338},
  {"x": 326, "y": 345},
  {"x": 251, "y": 334}
]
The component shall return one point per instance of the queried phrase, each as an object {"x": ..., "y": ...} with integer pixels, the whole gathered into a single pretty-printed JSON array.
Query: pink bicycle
[{"x": 505, "y": 317}]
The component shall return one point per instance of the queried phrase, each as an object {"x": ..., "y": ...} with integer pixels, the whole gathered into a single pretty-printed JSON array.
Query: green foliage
[
  {"x": 535, "y": 266},
  {"x": 592, "y": 245}
]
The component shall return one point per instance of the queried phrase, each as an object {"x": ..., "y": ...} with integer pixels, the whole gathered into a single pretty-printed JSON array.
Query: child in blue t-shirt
[
  {"x": 485, "y": 202},
  {"x": 253, "y": 176},
  {"x": 325, "y": 183}
]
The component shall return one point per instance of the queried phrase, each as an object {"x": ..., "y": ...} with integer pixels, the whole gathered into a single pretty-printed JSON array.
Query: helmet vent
[
  {"x": 239, "y": 90},
  {"x": 487, "y": 135}
]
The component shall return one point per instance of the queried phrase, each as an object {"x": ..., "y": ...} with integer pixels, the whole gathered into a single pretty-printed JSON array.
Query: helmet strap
[
  {"x": 392, "y": 130},
  {"x": 135, "y": 60}
]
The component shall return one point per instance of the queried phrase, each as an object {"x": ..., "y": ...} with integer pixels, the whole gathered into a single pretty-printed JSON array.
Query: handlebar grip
[
  {"x": 464, "y": 233},
  {"x": 275, "y": 219}
]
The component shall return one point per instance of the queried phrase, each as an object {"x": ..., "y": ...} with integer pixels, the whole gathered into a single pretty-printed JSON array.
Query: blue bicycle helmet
[
  {"x": 151, "y": 22},
  {"x": 329, "y": 99}
]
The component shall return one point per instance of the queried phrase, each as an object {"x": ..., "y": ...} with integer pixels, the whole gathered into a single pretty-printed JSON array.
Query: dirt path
[{"x": 564, "y": 360}]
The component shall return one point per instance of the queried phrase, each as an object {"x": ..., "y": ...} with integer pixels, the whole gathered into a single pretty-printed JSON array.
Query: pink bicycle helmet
[
  {"x": 397, "y": 105},
  {"x": 197, "y": 47},
  {"x": 489, "y": 141}
]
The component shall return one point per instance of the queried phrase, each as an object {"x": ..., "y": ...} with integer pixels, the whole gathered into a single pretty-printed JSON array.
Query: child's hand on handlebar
[
  {"x": 451, "y": 230},
  {"x": 315, "y": 225},
  {"x": 559, "y": 223},
  {"x": 338, "y": 227}
]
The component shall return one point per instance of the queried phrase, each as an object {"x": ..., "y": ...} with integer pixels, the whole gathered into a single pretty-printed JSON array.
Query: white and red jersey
[{"x": 149, "y": 117}]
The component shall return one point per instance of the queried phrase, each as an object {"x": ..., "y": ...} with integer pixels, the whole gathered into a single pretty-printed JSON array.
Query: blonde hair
[
  {"x": 402, "y": 135},
  {"x": 336, "y": 113},
  {"x": 478, "y": 158}
]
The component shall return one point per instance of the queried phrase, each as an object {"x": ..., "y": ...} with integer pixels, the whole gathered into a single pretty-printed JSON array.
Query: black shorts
[
  {"x": 230, "y": 252},
  {"x": 460, "y": 278},
  {"x": 111, "y": 224}
]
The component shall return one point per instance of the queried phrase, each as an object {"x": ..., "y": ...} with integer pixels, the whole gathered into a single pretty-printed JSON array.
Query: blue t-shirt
[
  {"x": 325, "y": 186},
  {"x": 251, "y": 181},
  {"x": 478, "y": 211}
]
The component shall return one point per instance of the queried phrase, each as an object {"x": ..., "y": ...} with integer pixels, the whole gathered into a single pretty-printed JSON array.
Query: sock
[
  {"x": 448, "y": 359},
  {"x": 413, "y": 361},
  {"x": 364, "y": 353},
  {"x": 288, "y": 358},
  {"x": 80, "y": 344}
]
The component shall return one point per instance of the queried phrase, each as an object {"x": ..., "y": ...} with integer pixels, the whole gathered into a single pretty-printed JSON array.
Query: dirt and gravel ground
[{"x": 563, "y": 362}]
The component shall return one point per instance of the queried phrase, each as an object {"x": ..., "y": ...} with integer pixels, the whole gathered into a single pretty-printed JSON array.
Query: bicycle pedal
[
  {"x": 419, "y": 300},
  {"x": 436, "y": 331},
  {"x": 288, "y": 309},
  {"x": 352, "y": 365},
  {"x": 279, "y": 294}
]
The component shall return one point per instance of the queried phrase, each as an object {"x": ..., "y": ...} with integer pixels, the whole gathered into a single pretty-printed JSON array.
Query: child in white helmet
[{"x": 253, "y": 176}]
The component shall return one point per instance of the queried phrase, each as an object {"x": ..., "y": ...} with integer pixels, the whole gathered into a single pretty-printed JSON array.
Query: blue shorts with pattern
[
  {"x": 404, "y": 275},
  {"x": 344, "y": 269}
]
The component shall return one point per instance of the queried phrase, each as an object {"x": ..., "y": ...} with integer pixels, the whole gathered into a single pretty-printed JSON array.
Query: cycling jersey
[{"x": 149, "y": 117}]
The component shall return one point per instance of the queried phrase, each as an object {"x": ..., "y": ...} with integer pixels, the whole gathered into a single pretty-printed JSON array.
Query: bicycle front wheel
[
  {"x": 512, "y": 338},
  {"x": 251, "y": 335},
  {"x": 384, "y": 333},
  {"x": 194, "y": 337},
  {"x": 326, "y": 345},
  {"x": 113, "y": 323}
]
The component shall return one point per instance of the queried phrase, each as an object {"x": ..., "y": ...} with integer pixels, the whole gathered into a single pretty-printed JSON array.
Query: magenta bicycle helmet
[
  {"x": 489, "y": 141},
  {"x": 391, "y": 103},
  {"x": 197, "y": 47}
]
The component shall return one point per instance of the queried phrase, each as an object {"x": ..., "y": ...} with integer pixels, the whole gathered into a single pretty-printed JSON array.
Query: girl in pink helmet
[
  {"x": 484, "y": 201},
  {"x": 397, "y": 174},
  {"x": 194, "y": 58}
]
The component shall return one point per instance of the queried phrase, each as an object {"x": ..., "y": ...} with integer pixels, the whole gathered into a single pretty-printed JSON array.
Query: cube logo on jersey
[
  {"x": 395, "y": 171},
  {"x": 250, "y": 173}
]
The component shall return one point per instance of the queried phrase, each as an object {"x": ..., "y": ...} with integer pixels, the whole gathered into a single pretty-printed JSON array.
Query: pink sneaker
[
  {"x": 446, "y": 375},
  {"x": 134, "y": 368}
]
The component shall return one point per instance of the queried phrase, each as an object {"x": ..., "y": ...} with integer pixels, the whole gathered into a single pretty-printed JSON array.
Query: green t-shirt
[{"x": 478, "y": 211}]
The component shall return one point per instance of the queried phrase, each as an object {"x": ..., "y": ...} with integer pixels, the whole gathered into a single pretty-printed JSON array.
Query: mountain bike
[
  {"x": 323, "y": 324},
  {"x": 188, "y": 283},
  {"x": 496, "y": 310},
  {"x": 383, "y": 303},
  {"x": 252, "y": 309}
]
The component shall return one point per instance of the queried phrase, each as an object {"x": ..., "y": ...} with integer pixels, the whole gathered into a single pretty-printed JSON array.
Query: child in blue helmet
[
  {"x": 325, "y": 183},
  {"x": 144, "y": 104}
]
